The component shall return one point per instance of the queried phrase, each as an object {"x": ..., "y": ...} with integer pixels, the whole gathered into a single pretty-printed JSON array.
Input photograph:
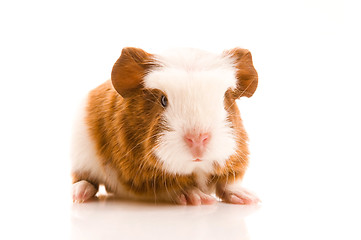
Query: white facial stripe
[
  {"x": 195, "y": 84},
  {"x": 193, "y": 97}
]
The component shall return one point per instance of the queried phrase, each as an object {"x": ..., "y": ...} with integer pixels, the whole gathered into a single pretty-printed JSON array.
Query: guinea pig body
[{"x": 166, "y": 127}]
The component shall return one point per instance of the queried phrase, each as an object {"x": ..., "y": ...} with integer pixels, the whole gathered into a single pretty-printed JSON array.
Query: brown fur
[
  {"x": 124, "y": 128},
  {"x": 246, "y": 74}
]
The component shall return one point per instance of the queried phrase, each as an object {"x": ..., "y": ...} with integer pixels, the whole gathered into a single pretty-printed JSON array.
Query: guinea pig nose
[
  {"x": 197, "y": 143},
  {"x": 197, "y": 139}
]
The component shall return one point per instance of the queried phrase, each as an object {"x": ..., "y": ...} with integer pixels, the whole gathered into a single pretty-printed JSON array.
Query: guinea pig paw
[
  {"x": 240, "y": 196},
  {"x": 195, "y": 197},
  {"x": 83, "y": 191}
]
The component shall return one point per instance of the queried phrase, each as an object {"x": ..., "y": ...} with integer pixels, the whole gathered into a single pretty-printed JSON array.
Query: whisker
[{"x": 247, "y": 87}]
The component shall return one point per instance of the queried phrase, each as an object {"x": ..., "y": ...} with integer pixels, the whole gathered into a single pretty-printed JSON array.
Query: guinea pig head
[{"x": 183, "y": 104}]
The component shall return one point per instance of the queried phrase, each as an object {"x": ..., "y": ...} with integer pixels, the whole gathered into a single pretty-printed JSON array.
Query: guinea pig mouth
[{"x": 197, "y": 160}]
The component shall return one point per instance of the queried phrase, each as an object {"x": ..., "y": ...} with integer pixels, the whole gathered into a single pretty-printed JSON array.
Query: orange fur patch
[{"x": 246, "y": 73}]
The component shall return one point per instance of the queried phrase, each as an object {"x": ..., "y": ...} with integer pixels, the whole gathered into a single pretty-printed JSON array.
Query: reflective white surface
[
  {"x": 280, "y": 217},
  {"x": 129, "y": 220}
]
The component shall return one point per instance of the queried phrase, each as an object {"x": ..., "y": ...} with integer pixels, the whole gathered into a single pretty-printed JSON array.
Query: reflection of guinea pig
[{"x": 166, "y": 128}]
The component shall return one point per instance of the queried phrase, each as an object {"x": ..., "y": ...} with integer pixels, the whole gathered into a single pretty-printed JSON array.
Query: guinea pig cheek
[{"x": 222, "y": 145}]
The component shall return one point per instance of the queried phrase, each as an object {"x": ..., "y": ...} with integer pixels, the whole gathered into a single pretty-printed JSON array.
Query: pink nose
[{"x": 197, "y": 143}]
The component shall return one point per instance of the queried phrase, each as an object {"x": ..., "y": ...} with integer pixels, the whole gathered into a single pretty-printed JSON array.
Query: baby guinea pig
[{"x": 166, "y": 128}]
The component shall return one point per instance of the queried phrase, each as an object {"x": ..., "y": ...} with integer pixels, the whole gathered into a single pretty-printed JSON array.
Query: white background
[{"x": 303, "y": 121}]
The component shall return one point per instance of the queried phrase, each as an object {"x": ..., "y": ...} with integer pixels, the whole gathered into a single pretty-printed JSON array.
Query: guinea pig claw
[
  {"x": 196, "y": 197},
  {"x": 236, "y": 200},
  {"x": 240, "y": 196},
  {"x": 182, "y": 200}
]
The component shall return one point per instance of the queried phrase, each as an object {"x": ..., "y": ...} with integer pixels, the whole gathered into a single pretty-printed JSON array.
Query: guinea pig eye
[{"x": 164, "y": 101}]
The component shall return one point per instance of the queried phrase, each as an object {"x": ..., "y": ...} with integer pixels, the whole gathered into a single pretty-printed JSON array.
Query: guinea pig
[{"x": 166, "y": 128}]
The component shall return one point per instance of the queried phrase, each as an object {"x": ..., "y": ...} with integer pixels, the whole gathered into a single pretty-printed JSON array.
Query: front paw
[
  {"x": 238, "y": 195},
  {"x": 194, "y": 197},
  {"x": 83, "y": 191}
]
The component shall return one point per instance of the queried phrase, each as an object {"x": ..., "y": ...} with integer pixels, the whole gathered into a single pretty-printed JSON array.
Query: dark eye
[{"x": 164, "y": 101}]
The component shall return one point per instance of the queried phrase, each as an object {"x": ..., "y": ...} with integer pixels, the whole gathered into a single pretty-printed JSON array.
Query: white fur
[
  {"x": 202, "y": 180},
  {"x": 195, "y": 83},
  {"x": 83, "y": 154},
  {"x": 85, "y": 159}
]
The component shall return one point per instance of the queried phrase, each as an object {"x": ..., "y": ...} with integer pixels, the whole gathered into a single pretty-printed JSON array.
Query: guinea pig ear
[
  {"x": 130, "y": 69},
  {"x": 247, "y": 77}
]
